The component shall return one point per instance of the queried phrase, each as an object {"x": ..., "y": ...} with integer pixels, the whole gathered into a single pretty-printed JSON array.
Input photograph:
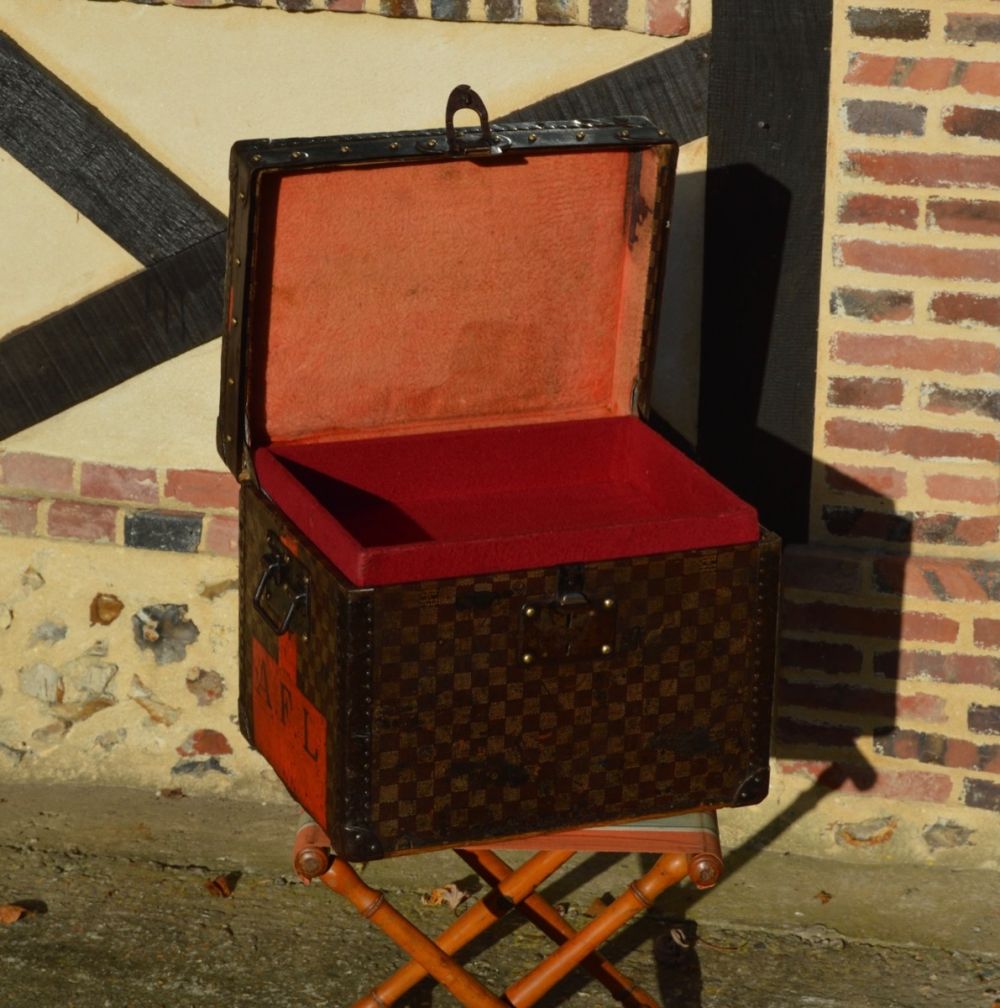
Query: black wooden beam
[
  {"x": 172, "y": 306},
  {"x": 767, "y": 117},
  {"x": 669, "y": 88},
  {"x": 94, "y": 166},
  {"x": 111, "y": 336}
]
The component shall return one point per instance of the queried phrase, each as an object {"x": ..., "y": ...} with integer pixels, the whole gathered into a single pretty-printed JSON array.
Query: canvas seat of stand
[{"x": 445, "y": 367}]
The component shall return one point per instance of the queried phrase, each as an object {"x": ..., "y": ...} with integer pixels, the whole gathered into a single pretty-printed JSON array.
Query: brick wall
[
  {"x": 891, "y": 655},
  {"x": 652, "y": 17},
  {"x": 179, "y": 510}
]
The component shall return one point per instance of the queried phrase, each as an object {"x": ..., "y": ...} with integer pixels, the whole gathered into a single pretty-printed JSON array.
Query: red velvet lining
[
  {"x": 449, "y": 295},
  {"x": 415, "y": 507}
]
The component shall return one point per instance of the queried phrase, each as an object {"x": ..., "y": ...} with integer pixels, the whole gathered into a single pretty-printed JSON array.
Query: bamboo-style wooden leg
[
  {"x": 494, "y": 871},
  {"x": 372, "y": 904},
  {"x": 487, "y": 911},
  {"x": 669, "y": 868}
]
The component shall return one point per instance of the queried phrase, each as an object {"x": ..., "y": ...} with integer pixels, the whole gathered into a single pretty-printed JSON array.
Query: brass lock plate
[{"x": 571, "y": 628}]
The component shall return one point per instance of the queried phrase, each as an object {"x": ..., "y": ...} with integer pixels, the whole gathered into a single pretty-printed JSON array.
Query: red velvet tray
[{"x": 445, "y": 361}]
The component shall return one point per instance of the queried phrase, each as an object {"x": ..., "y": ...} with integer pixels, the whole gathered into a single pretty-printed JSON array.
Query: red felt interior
[
  {"x": 448, "y": 295},
  {"x": 414, "y": 507}
]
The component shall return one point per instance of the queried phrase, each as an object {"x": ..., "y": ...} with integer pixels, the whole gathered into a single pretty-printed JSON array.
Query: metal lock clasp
[
  {"x": 569, "y": 628},
  {"x": 282, "y": 595}
]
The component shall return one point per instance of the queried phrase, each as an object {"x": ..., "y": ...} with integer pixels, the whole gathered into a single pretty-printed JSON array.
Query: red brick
[
  {"x": 966, "y": 120},
  {"x": 37, "y": 472},
  {"x": 918, "y": 260},
  {"x": 865, "y": 208},
  {"x": 202, "y": 487},
  {"x": 939, "y": 398},
  {"x": 205, "y": 742},
  {"x": 346, "y": 6},
  {"x": 879, "y": 481},
  {"x": 922, "y": 707},
  {"x": 986, "y": 632},
  {"x": 982, "y": 794},
  {"x": 942, "y": 578},
  {"x": 18, "y": 515},
  {"x": 874, "y": 305},
  {"x": 870, "y": 68},
  {"x": 864, "y": 523},
  {"x": 930, "y": 74},
  {"x": 964, "y": 216},
  {"x": 820, "y": 656},
  {"x": 956, "y": 530},
  {"x": 865, "y": 393},
  {"x": 973, "y": 670},
  {"x": 981, "y": 78},
  {"x": 984, "y": 719},
  {"x": 889, "y": 624},
  {"x": 965, "y": 309},
  {"x": 668, "y": 17},
  {"x": 839, "y": 698},
  {"x": 971, "y": 29},
  {"x": 917, "y": 442},
  {"x": 915, "y": 785},
  {"x": 70, "y": 519},
  {"x": 928, "y": 747},
  {"x": 811, "y": 734},
  {"x": 110, "y": 482},
  {"x": 971, "y": 489},
  {"x": 915, "y": 352},
  {"x": 803, "y": 568},
  {"x": 903, "y": 168},
  {"x": 221, "y": 536}
]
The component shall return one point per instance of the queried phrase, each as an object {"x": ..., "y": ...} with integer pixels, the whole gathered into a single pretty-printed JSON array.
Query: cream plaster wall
[{"x": 185, "y": 84}]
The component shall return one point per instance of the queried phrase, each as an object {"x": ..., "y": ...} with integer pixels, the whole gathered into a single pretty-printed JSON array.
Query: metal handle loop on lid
[{"x": 463, "y": 97}]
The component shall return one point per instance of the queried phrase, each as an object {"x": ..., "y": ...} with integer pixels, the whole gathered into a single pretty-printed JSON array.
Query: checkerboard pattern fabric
[{"x": 441, "y": 735}]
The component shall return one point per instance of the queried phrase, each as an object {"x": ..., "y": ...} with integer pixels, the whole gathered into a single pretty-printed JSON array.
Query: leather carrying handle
[{"x": 463, "y": 97}]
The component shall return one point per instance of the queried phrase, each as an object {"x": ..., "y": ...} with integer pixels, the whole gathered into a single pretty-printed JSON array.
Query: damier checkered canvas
[{"x": 439, "y": 732}]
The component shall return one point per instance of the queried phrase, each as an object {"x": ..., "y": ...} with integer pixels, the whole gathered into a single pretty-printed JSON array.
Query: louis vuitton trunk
[{"x": 481, "y": 597}]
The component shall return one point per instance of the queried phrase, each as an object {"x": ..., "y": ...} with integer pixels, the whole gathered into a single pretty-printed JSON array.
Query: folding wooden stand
[{"x": 687, "y": 845}]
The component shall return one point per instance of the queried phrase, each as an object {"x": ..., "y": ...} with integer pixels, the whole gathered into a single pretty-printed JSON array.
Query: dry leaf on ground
[
  {"x": 449, "y": 895},
  {"x": 11, "y": 912},
  {"x": 823, "y": 896}
]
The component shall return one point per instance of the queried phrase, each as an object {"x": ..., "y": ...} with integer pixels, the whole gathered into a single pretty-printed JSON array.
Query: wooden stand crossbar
[{"x": 509, "y": 888}]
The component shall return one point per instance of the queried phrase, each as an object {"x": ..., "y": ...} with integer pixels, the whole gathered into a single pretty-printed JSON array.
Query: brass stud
[
  {"x": 432, "y": 143},
  {"x": 344, "y": 149},
  {"x": 624, "y": 134},
  {"x": 232, "y": 381},
  {"x": 532, "y": 137},
  {"x": 661, "y": 132},
  {"x": 606, "y": 649},
  {"x": 609, "y": 603},
  {"x": 581, "y": 135},
  {"x": 239, "y": 262},
  {"x": 229, "y": 437},
  {"x": 529, "y": 612},
  {"x": 233, "y": 321},
  {"x": 296, "y": 154},
  {"x": 394, "y": 145},
  {"x": 255, "y": 158},
  {"x": 243, "y": 197},
  {"x": 527, "y": 658}
]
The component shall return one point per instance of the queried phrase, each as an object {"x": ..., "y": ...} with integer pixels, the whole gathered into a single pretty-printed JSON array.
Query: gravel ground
[{"x": 124, "y": 913}]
